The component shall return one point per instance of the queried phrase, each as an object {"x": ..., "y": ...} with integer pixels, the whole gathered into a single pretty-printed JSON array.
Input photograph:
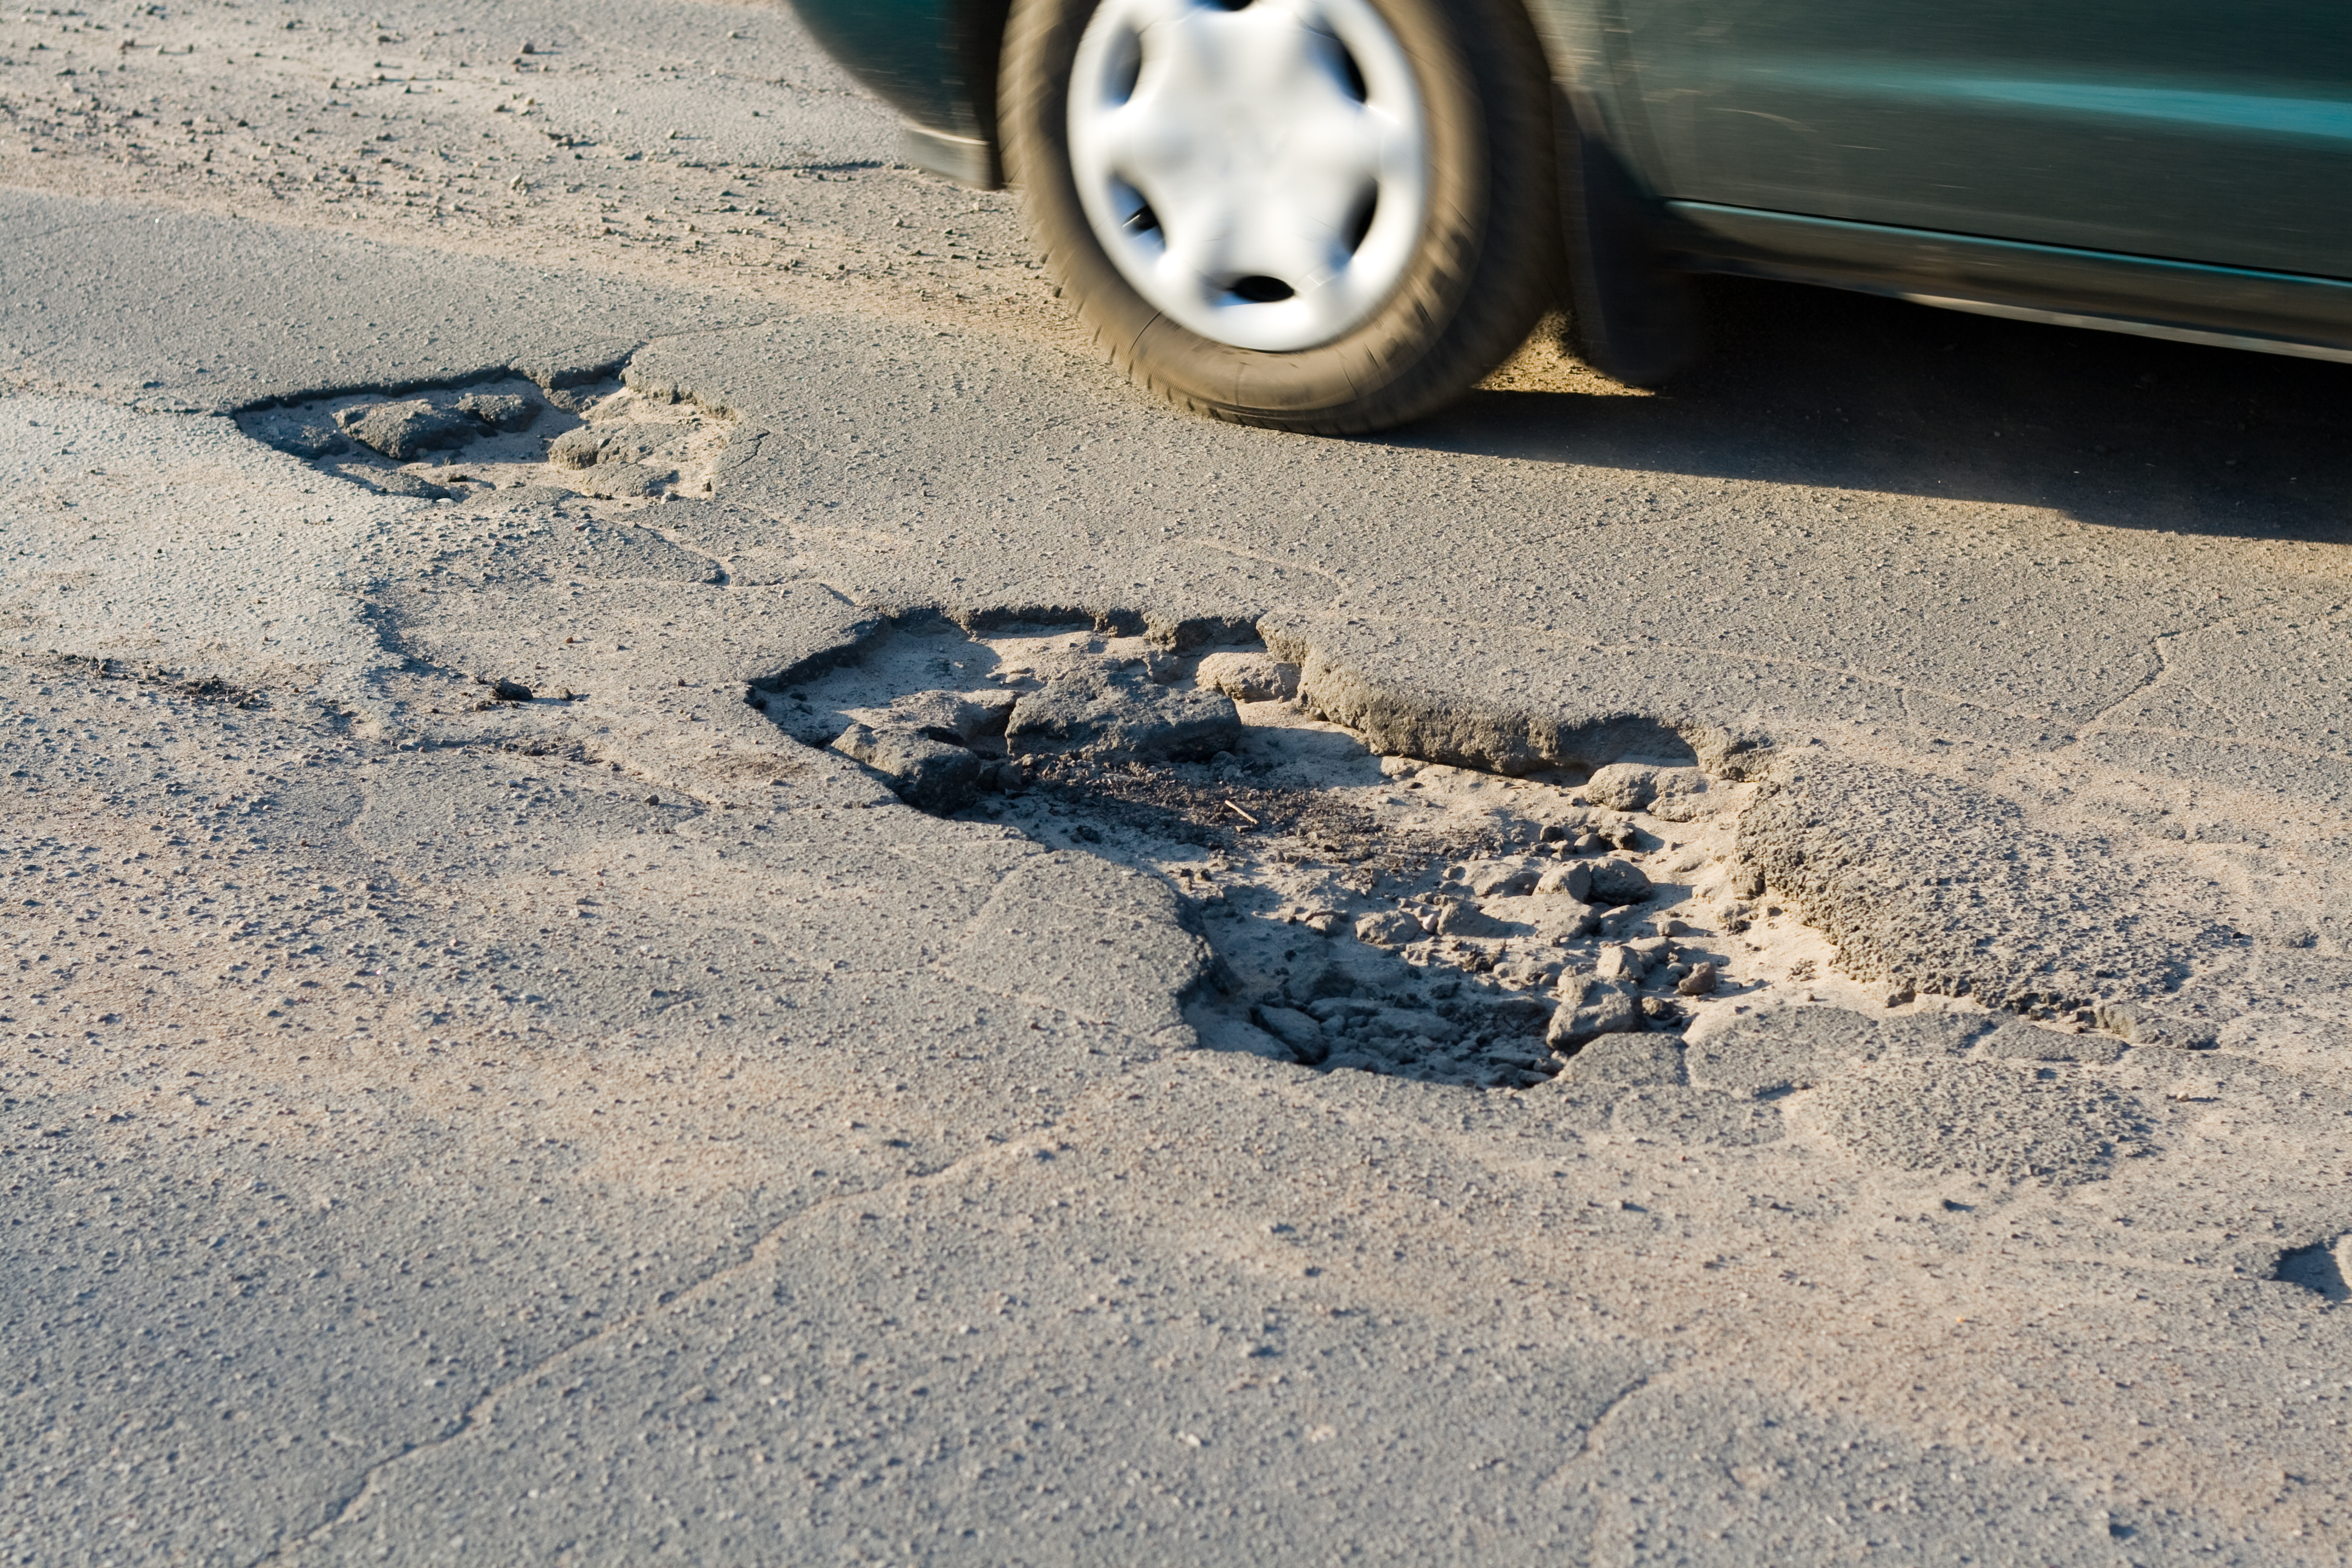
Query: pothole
[
  {"x": 626, "y": 444},
  {"x": 1368, "y": 912}
]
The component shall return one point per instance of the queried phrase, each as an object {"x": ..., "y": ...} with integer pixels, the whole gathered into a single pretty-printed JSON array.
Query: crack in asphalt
[
  {"x": 1560, "y": 1477},
  {"x": 1281, "y": 563},
  {"x": 2098, "y": 722},
  {"x": 2153, "y": 678},
  {"x": 475, "y": 1414}
]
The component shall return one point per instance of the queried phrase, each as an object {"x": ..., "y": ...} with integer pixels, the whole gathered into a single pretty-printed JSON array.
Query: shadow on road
[{"x": 1815, "y": 387}]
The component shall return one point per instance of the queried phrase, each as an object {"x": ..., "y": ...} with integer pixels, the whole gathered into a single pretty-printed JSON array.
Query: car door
[{"x": 2186, "y": 129}]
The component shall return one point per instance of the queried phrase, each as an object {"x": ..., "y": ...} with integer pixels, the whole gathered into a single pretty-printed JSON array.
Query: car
[{"x": 1336, "y": 216}]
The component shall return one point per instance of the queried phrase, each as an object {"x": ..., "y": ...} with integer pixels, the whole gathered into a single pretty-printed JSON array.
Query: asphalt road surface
[{"x": 594, "y": 1118}]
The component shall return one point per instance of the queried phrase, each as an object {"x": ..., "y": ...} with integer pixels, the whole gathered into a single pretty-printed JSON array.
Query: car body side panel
[
  {"x": 1590, "y": 62},
  {"x": 2163, "y": 128},
  {"x": 2260, "y": 308},
  {"x": 925, "y": 58}
]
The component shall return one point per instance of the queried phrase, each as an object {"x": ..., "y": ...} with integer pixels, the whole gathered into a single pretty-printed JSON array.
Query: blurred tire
[{"x": 1324, "y": 215}]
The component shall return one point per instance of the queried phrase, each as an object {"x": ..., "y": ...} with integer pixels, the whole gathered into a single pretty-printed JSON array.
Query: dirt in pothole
[{"x": 1376, "y": 913}]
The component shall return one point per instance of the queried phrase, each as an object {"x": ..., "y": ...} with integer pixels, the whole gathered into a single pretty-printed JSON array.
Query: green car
[{"x": 1337, "y": 214}]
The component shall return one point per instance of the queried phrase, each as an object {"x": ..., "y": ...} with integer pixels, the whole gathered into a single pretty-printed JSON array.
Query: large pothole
[{"x": 1378, "y": 913}]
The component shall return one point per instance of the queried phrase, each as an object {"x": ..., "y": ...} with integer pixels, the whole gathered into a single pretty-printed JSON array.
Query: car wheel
[{"x": 1329, "y": 216}]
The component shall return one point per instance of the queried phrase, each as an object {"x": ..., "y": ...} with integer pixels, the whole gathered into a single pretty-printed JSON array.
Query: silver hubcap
[{"x": 1258, "y": 174}]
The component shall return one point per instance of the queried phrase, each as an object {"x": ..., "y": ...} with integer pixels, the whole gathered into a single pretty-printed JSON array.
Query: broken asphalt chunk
[
  {"x": 1630, "y": 787},
  {"x": 925, "y": 771},
  {"x": 1389, "y": 928},
  {"x": 1255, "y": 677},
  {"x": 967, "y": 716},
  {"x": 1700, "y": 981},
  {"x": 1620, "y": 962},
  {"x": 1616, "y": 881},
  {"x": 294, "y": 435},
  {"x": 500, "y": 411},
  {"x": 1463, "y": 917},
  {"x": 393, "y": 482},
  {"x": 578, "y": 447},
  {"x": 1589, "y": 1008},
  {"x": 1575, "y": 879},
  {"x": 1109, "y": 719},
  {"x": 403, "y": 430}
]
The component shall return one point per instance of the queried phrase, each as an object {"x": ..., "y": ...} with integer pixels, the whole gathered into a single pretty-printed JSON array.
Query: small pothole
[
  {"x": 624, "y": 445},
  {"x": 1378, "y": 913}
]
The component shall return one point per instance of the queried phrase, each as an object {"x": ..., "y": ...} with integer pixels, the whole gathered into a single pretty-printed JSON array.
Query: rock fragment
[
  {"x": 1621, "y": 833},
  {"x": 1463, "y": 917},
  {"x": 498, "y": 410},
  {"x": 1630, "y": 787},
  {"x": 1109, "y": 719},
  {"x": 1616, "y": 881},
  {"x": 1502, "y": 881},
  {"x": 578, "y": 447},
  {"x": 968, "y": 716},
  {"x": 404, "y": 430},
  {"x": 1157, "y": 666},
  {"x": 1589, "y": 1008},
  {"x": 503, "y": 690},
  {"x": 1575, "y": 879},
  {"x": 1248, "y": 677},
  {"x": 294, "y": 435},
  {"x": 1389, "y": 928},
  {"x": 1618, "y": 963},
  {"x": 393, "y": 482},
  {"x": 925, "y": 771},
  {"x": 1700, "y": 981}
]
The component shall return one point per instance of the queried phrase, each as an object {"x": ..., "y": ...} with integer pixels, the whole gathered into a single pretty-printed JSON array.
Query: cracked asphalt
[{"x": 605, "y": 1129}]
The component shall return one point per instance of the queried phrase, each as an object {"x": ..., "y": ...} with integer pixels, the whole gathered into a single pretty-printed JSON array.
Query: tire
[{"x": 1401, "y": 318}]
